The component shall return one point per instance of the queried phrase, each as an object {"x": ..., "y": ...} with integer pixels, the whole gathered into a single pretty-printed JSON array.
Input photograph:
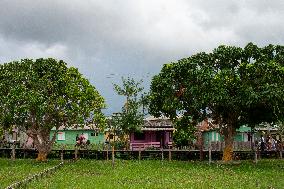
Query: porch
[{"x": 150, "y": 140}]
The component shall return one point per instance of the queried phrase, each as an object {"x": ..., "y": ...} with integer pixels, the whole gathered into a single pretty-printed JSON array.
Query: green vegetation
[
  {"x": 13, "y": 171},
  {"x": 233, "y": 86},
  {"x": 57, "y": 146},
  {"x": 38, "y": 95},
  {"x": 158, "y": 174},
  {"x": 130, "y": 118}
]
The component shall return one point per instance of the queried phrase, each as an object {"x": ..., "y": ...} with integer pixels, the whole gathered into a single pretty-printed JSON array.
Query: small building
[
  {"x": 14, "y": 136},
  {"x": 155, "y": 133},
  {"x": 243, "y": 134},
  {"x": 68, "y": 135},
  {"x": 243, "y": 140}
]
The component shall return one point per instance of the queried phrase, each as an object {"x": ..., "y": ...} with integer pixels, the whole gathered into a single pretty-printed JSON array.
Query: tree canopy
[
  {"x": 38, "y": 95},
  {"x": 130, "y": 118},
  {"x": 232, "y": 85}
]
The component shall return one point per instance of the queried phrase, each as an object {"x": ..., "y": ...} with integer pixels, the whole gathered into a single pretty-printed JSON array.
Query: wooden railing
[{"x": 143, "y": 146}]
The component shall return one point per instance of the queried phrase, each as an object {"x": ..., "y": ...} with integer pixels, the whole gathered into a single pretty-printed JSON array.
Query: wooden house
[
  {"x": 68, "y": 135},
  {"x": 243, "y": 139},
  {"x": 155, "y": 133}
]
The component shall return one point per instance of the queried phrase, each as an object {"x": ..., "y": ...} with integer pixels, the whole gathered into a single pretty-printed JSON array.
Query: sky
[{"x": 110, "y": 39}]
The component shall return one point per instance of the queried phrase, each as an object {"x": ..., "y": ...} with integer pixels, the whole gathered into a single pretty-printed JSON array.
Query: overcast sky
[{"x": 108, "y": 39}]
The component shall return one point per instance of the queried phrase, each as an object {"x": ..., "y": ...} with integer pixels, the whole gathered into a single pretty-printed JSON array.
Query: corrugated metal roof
[
  {"x": 78, "y": 127},
  {"x": 158, "y": 129}
]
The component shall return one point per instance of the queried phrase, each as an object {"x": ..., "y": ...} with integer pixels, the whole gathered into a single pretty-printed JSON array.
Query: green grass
[
  {"x": 13, "y": 171},
  {"x": 157, "y": 174}
]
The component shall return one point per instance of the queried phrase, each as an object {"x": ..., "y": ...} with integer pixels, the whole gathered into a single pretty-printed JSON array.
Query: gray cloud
[{"x": 106, "y": 39}]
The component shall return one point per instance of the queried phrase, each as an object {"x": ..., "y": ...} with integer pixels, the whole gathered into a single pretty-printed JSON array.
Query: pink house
[{"x": 156, "y": 133}]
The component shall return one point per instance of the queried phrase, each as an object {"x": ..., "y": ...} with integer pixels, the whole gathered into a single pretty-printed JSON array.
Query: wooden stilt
[
  {"x": 13, "y": 154},
  {"x": 170, "y": 154},
  {"x": 210, "y": 153},
  {"x": 113, "y": 156},
  {"x": 139, "y": 156}
]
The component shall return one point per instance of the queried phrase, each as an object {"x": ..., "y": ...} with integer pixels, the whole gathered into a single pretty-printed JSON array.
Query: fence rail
[{"x": 183, "y": 155}]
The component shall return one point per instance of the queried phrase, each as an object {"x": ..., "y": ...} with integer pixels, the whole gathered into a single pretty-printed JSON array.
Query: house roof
[
  {"x": 157, "y": 129},
  {"x": 266, "y": 129},
  {"x": 207, "y": 125},
  {"x": 77, "y": 127},
  {"x": 157, "y": 124}
]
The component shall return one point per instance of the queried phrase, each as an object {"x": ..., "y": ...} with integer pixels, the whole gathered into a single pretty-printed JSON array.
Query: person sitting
[{"x": 81, "y": 138}]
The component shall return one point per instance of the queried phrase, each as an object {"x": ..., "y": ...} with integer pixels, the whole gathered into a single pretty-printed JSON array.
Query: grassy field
[
  {"x": 157, "y": 174},
  {"x": 13, "y": 171}
]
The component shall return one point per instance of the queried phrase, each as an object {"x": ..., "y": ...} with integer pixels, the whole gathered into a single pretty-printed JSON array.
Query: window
[
  {"x": 61, "y": 136},
  {"x": 94, "y": 134},
  {"x": 139, "y": 136}
]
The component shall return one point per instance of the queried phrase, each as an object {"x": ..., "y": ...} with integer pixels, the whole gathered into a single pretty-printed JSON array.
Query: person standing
[{"x": 262, "y": 143}]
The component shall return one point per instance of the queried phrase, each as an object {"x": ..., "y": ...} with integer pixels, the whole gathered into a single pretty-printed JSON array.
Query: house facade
[
  {"x": 243, "y": 134},
  {"x": 68, "y": 135},
  {"x": 155, "y": 133}
]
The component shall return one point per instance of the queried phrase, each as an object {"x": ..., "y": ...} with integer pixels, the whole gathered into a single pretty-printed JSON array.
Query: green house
[
  {"x": 243, "y": 139},
  {"x": 243, "y": 135},
  {"x": 68, "y": 135}
]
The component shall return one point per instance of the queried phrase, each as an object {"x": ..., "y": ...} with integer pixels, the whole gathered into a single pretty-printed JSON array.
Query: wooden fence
[{"x": 161, "y": 154}]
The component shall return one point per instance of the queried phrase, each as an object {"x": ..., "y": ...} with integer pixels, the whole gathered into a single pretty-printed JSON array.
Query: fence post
[
  {"x": 113, "y": 156},
  {"x": 281, "y": 149},
  {"x": 139, "y": 156},
  {"x": 256, "y": 151},
  {"x": 107, "y": 152},
  {"x": 76, "y": 152},
  {"x": 162, "y": 154},
  {"x": 209, "y": 151},
  {"x": 13, "y": 155},
  {"x": 255, "y": 156},
  {"x": 170, "y": 154},
  {"x": 62, "y": 152}
]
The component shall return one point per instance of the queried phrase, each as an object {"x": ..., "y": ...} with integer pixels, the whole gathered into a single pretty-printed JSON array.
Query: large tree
[
  {"x": 232, "y": 85},
  {"x": 38, "y": 95}
]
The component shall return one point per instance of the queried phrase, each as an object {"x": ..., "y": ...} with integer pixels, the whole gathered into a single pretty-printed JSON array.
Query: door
[{"x": 160, "y": 137}]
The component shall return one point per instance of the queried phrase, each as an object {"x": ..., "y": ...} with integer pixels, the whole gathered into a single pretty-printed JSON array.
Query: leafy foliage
[
  {"x": 184, "y": 136},
  {"x": 232, "y": 85},
  {"x": 1, "y": 133},
  {"x": 37, "y": 95},
  {"x": 280, "y": 129},
  {"x": 132, "y": 113}
]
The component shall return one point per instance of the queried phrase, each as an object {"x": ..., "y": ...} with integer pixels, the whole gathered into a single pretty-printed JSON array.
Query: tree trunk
[
  {"x": 43, "y": 150},
  {"x": 200, "y": 145},
  {"x": 42, "y": 156},
  {"x": 42, "y": 142},
  {"x": 229, "y": 141}
]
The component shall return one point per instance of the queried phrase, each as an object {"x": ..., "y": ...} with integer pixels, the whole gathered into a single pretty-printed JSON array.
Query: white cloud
[{"x": 13, "y": 50}]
